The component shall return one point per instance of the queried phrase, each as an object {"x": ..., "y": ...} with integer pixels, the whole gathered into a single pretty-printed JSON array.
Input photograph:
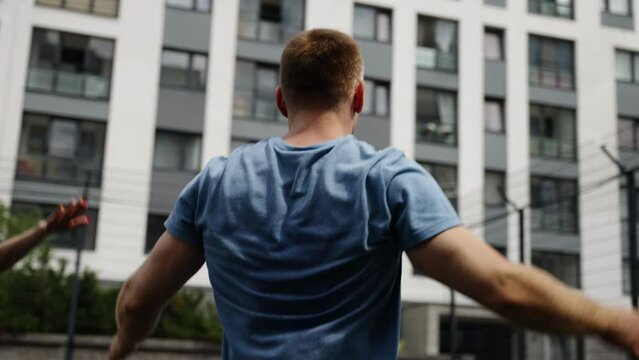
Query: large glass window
[
  {"x": 558, "y": 8},
  {"x": 371, "y": 23},
  {"x": 436, "y": 44},
  {"x": 177, "y": 151},
  {"x": 65, "y": 240},
  {"x": 56, "y": 149},
  {"x": 190, "y": 5},
  {"x": 255, "y": 85},
  {"x": 617, "y": 7},
  {"x": 494, "y": 115},
  {"x": 436, "y": 116},
  {"x": 377, "y": 98},
  {"x": 154, "y": 229},
  {"x": 551, "y": 63},
  {"x": 97, "y": 7},
  {"x": 270, "y": 20},
  {"x": 628, "y": 135},
  {"x": 552, "y": 132},
  {"x": 446, "y": 177},
  {"x": 494, "y": 184},
  {"x": 554, "y": 205},
  {"x": 564, "y": 267},
  {"x": 70, "y": 64},
  {"x": 183, "y": 69},
  {"x": 494, "y": 44},
  {"x": 627, "y": 66}
]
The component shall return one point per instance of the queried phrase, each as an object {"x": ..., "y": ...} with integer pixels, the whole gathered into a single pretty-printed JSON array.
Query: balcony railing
[
  {"x": 61, "y": 170},
  {"x": 552, "y": 77},
  {"x": 551, "y": 8},
  {"x": 430, "y": 58},
  {"x": 68, "y": 83},
  {"x": 552, "y": 148},
  {"x": 436, "y": 132},
  {"x": 97, "y": 7}
]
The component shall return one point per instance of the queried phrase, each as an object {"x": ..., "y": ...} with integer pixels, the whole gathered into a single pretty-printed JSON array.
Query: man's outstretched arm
[
  {"x": 143, "y": 296},
  {"x": 523, "y": 294}
]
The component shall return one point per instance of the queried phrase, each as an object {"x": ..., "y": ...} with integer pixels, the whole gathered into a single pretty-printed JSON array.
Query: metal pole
[
  {"x": 521, "y": 334},
  {"x": 454, "y": 351},
  {"x": 632, "y": 235},
  {"x": 78, "y": 239}
]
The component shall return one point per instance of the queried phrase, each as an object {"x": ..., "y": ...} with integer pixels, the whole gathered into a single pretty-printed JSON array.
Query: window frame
[
  {"x": 556, "y": 69},
  {"x": 634, "y": 71},
  {"x": 501, "y": 34},
  {"x": 606, "y": 8},
  {"x": 373, "y": 98},
  {"x": 259, "y": 19},
  {"x": 537, "y": 204},
  {"x": 254, "y": 92},
  {"x": 423, "y": 139},
  {"x": 559, "y": 141},
  {"x": 378, "y": 11},
  {"x": 182, "y": 135},
  {"x": 149, "y": 242},
  {"x": 456, "y": 46},
  {"x": 192, "y": 8},
  {"x": 558, "y": 257},
  {"x": 635, "y": 133},
  {"x": 503, "y": 184},
  {"x": 502, "y": 109},
  {"x": 537, "y": 4},
  {"x": 434, "y": 169},
  {"x": 91, "y": 10},
  {"x": 189, "y": 78}
]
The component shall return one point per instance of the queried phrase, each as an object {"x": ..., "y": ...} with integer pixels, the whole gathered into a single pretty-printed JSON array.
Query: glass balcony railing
[
  {"x": 552, "y": 148},
  {"x": 68, "y": 83},
  {"x": 563, "y": 9},
  {"x": 430, "y": 58},
  {"x": 62, "y": 170},
  {"x": 436, "y": 132}
]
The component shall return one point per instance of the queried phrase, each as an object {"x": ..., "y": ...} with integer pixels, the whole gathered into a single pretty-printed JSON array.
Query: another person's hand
[{"x": 67, "y": 218}]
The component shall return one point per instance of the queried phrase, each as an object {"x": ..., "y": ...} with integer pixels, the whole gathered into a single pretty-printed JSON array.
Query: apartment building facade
[{"x": 496, "y": 98}]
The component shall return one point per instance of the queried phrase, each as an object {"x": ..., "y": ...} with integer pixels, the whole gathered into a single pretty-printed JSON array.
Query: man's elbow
[{"x": 129, "y": 305}]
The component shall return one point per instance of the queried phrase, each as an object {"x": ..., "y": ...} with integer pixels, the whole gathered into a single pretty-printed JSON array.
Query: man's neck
[{"x": 310, "y": 128}]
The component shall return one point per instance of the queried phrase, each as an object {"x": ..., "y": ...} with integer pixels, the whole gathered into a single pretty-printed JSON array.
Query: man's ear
[
  {"x": 281, "y": 103},
  {"x": 358, "y": 98}
]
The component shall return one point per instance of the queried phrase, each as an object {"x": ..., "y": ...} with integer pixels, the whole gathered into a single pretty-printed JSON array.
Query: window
[
  {"x": 558, "y": 8},
  {"x": 436, "y": 44},
  {"x": 494, "y": 115},
  {"x": 65, "y": 240},
  {"x": 377, "y": 98},
  {"x": 564, "y": 267},
  {"x": 494, "y": 44},
  {"x": 61, "y": 150},
  {"x": 554, "y": 205},
  {"x": 177, "y": 151},
  {"x": 617, "y": 7},
  {"x": 255, "y": 85},
  {"x": 154, "y": 229},
  {"x": 436, "y": 116},
  {"x": 190, "y": 5},
  {"x": 371, "y": 23},
  {"x": 446, "y": 177},
  {"x": 97, "y": 7},
  {"x": 183, "y": 69},
  {"x": 552, "y": 133},
  {"x": 551, "y": 63},
  {"x": 270, "y": 20},
  {"x": 494, "y": 184},
  {"x": 70, "y": 64},
  {"x": 628, "y": 135},
  {"x": 627, "y": 66}
]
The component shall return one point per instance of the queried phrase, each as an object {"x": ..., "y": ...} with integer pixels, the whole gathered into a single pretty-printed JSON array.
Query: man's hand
[
  {"x": 624, "y": 329},
  {"x": 67, "y": 218}
]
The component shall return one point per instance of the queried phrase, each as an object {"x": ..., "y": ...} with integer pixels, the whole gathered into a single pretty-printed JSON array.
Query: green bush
[{"x": 35, "y": 298}]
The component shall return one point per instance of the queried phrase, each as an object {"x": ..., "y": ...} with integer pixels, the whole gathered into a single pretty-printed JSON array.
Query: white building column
[{"x": 332, "y": 14}]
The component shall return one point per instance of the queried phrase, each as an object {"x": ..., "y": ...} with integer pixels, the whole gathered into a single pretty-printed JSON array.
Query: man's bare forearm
[{"x": 15, "y": 248}]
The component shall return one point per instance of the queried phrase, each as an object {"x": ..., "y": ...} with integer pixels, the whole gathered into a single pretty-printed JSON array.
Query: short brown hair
[{"x": 319, "y": 69}]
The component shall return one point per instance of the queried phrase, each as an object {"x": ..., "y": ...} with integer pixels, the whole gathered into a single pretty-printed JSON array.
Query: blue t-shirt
[{"x": 304, "y": 245}]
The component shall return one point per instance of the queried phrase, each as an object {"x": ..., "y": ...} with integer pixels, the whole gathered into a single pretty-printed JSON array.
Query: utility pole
[
  {"x": 521, "y": 333},
  {"x": 631, "y": 194},
  {"x": 78, "y": 240}
]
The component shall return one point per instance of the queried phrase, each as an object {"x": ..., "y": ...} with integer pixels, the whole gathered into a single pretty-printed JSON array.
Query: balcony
[
  {"x": 68, "y": 83},
  {"x": 430, "y": 58},
  {"x": 551, "y": 8},
  {"x": 59, "y": 170}
]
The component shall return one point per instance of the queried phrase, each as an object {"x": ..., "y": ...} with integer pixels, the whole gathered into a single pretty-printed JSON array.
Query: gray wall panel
[
  {"x": 618, "y": 21},
  {"x": 187, "y": 30},
  {"x": 627, "y": 96},
  {"x": 261, "y": 52},
  {"x": 549, "y": 96},
  {"x": 545, "y": 241},
  {"x": 435, "y": 153},
  {"x": 495, "y": 151},
  {"x": 496, "y": 232},
  {"x": 66, "y": 106},
  {"x": 501, "y": 3},
  {"x": 256, "y": 130},
  {"x": 181, "y": 110},
  {"x": 165, "y": 188},
  {"x": 495, "y": 78},
  {"x": 378, "y": 59},
  {"x": 437, "y": 79},
  {"x": 554, "y": 168},
  {"x": 374, "y": 130}
]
